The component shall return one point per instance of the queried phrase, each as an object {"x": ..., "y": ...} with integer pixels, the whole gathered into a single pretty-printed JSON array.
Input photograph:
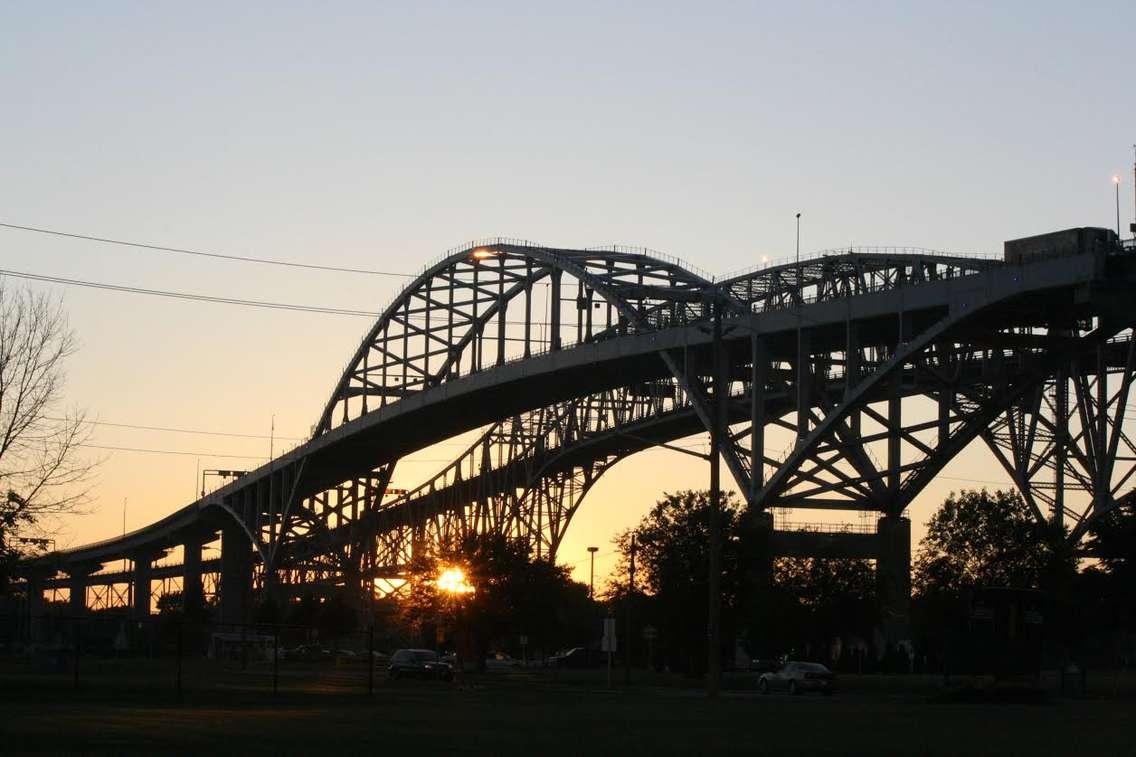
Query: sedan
[
  {"x": 419, "y": 663},
  {"x": 797, "y": 678}
]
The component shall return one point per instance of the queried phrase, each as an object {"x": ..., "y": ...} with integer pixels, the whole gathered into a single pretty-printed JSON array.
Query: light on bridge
[{"x": 482, "y": 253}]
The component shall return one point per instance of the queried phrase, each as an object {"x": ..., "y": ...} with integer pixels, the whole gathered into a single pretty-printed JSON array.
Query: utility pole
[
  {"x": 627, "y": 633},
  {"x": 714, "y": 582},
  {"x": 592, "y": 573}
]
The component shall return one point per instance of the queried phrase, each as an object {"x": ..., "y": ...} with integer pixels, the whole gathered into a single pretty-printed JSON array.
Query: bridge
[{"x": 842, "y": 382}]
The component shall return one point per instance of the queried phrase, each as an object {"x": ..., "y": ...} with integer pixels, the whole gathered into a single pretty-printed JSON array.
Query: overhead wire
[
  {"x": 202, "y": 253},
  {"x": 189, "y": 296}
]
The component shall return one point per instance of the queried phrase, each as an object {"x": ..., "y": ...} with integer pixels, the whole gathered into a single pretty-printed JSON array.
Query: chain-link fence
[{"x": 174, "y": 657}]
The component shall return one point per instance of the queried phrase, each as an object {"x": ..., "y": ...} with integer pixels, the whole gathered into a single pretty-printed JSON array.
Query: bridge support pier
[
  {"x": 140, "y": 585},
  {"x": 236, "y": 574},
  {"x": 192, "y": 597},
  {"x": 77, "y": 588},
  {"x": 893, "y": 577}
]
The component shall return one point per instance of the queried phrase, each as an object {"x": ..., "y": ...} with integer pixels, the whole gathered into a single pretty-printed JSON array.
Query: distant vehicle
[
  {"x": 501, "y": 661},
  {"x": 576, "y": 657},
  {"x": 419, "y": 663},
  {"x": 307, "y": 652},
  {"x": 797, "y": 678},
  {"x": 764, "y": 665}
]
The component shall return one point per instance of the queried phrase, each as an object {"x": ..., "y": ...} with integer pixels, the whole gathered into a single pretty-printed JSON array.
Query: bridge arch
[{"x": 438, "y": 326}]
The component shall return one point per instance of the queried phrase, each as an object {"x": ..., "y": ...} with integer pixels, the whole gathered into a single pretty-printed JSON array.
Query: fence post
[
  {"x": 179, "y": 656},
  {"x": 371, "y": 659},
  {"x": 275, "y": 661}
]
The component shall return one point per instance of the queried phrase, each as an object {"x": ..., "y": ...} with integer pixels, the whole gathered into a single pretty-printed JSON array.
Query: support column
[
  {"x": 192, "y": 598},
  {"x": 893, "y": 577},
  {"x": 236, "y": 574},
  {"x": 77, "y": 587},
  {"x": 141, "y": 581}
]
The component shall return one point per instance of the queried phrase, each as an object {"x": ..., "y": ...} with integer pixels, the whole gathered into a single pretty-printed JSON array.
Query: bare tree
[{"x": 42, "y": 471}]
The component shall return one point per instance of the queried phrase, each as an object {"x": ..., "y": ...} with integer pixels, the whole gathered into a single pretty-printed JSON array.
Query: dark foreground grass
[{"x": 539, "y": 717}]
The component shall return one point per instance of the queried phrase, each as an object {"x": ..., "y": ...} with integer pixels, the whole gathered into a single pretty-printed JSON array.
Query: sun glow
[{"x": 453, "y": 581}]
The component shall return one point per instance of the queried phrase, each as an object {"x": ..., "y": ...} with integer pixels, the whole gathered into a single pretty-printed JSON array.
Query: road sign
[
  {"x": 609, "y": 643},
  {"x": 650, "y": 633}
]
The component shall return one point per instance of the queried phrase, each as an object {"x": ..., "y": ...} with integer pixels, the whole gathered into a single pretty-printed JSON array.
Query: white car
[{"x": 797, "y": 678}]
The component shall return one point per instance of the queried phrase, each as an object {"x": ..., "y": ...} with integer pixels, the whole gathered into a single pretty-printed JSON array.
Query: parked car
[
  {"x": 501, "y": 661},
  {"x": 419, "y": 663},
  {"x": 576, "y": 657},
  {"x": 308, "y": 653},
  {"x": 797, "y": 678}
]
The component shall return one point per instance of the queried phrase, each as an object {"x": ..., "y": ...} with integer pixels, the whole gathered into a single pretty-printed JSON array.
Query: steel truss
[
  {"x": 874, "y": 401},
  {"x": 1065, "y": 443}
]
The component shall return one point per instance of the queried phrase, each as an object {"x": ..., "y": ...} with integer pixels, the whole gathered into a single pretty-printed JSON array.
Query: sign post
[
  {"x": 609, "y": 644},
  {"x": 650, "y": 633}
]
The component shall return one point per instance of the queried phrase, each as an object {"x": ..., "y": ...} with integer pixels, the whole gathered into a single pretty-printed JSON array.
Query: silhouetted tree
[
  {"x": 983, "y": 539},
  {"x": 513, "y": 594},
  {"x": 823, "y": 599},
  {"x": 978, "y": 538},
  {"x": 672, "y": 562},
  {"x": 41, "y": 472}
]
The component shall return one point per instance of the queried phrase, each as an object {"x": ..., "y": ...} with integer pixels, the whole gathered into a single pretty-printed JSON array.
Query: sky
[{"x": 379, "y": 135}]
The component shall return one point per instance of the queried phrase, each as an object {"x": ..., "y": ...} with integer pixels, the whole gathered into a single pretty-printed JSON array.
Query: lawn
[{"x": 539, "y": 714}]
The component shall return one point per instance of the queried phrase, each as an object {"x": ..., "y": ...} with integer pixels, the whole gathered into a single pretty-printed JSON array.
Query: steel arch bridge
[{"x": 872, "y": 368}]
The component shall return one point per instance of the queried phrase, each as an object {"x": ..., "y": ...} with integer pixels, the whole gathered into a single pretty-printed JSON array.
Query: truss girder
[{"x": 841, "y": 398}]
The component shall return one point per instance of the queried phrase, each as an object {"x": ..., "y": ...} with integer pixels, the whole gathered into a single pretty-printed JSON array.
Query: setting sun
[{"x": 453, "y": 581}]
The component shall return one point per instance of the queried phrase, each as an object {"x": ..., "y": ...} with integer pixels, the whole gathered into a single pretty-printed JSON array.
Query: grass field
[{"x": 539, "y": 714}]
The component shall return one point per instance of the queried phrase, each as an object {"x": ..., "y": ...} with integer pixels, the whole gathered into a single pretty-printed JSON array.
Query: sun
[{"x": 453, "y": 581}]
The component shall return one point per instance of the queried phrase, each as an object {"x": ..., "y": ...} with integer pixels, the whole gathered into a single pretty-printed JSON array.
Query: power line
[
  {"x": 200, "y": 253},
  {"x": 189, "y": 296},
  {"x": 171, "y": 452},
  {"x": 192, "y": 297},
  {"x": 217, "y": 454},
  {"x": 180, "y": 430}
]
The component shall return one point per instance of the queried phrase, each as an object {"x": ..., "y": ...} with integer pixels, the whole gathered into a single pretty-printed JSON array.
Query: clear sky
[{"x": 379, "y": 135}]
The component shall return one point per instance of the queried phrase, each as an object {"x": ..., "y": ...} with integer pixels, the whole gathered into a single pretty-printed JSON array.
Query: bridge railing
[{"x": 816, "y": 255}]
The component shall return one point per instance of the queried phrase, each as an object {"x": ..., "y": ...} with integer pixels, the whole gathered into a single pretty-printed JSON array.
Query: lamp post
[
  {"x": 1116, "y": 181},
  {"x": 592, "y": 573},
  {"x": 798, "y": 239}
]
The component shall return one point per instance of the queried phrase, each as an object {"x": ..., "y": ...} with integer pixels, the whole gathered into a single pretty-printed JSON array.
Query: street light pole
[
  {"x": 627, "y": 633},
  {"x": 1116, "y": 181},
  {"x": 714, "y": 579},
  {"x": 592, "y": 573},
  {"x": 798, "y": 239}
]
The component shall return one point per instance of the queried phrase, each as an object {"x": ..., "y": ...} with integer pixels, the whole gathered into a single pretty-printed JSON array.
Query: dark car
[
  {"x": 419, "y": 663},
  {"x": 797, "y": 678}
]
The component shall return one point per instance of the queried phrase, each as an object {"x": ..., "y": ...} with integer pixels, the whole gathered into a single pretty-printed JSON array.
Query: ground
[{"x": 133, "y": 708}]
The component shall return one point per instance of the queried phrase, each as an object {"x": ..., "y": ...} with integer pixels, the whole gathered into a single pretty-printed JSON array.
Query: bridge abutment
[{"x": 236, "y": 574}]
